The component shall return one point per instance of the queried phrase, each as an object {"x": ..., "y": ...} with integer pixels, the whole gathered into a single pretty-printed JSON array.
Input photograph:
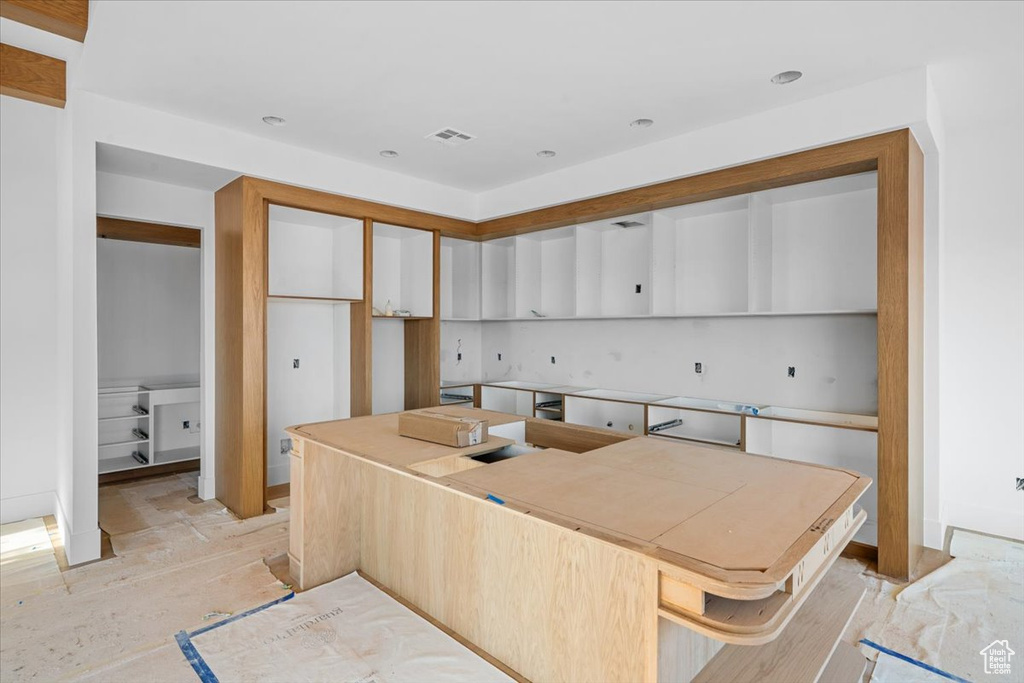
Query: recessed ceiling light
[
  {"x": 641, "y": 123},
  {"x": 274, "y": 121},
  {"x": 786, "y": 77},
  {"x": 388, "y": 153},
  {"x": 546, "y": 153}
]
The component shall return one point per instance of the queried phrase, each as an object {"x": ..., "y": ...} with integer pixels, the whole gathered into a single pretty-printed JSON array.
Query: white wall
[
  {"x": 149, "y": 311},
  {"x": 28, "y": 301},
  {"x": 982, "y": 329},
  {"x": 744, "y": 359},
  {"x": 464, "y": 338}
]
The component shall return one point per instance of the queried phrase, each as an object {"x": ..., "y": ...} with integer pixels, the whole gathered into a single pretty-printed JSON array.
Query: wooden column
[
  {"x": 361, "y": 348},
  {"x": 900, "y": 355},
  {"x": 241, "y": 332},
  {"x": 423, "y": 347}
]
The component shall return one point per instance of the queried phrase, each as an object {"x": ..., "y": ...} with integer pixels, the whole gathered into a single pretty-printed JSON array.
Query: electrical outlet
[
  {"x": 791, "y": 371},
  {"x": 185, "y": 424},
  {"x": 638, "y": 289},
  {"x": 286, "y": 446},
  {"x": 698, "y": 368},
  {"x": 552, "y": 360},
  {"x": 1020, "y": 483},
  {"x": 458, "y": 356},
  {"x": 499, "y": 356},
  {"x": 295, "y": 363}
]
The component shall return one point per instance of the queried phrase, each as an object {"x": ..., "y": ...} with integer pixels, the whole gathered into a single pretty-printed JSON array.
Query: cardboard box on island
[{"x": 447, "y": 430}]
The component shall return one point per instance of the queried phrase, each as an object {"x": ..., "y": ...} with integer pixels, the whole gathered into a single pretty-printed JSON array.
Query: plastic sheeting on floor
[
  {"x": 347, "y": 631},
  {"x": 949, "y": 618}
]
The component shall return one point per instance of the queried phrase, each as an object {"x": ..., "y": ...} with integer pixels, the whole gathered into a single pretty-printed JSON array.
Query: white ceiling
[{"x": 355, "y": 78}]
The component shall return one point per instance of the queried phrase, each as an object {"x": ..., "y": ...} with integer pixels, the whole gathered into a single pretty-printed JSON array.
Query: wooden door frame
[{"x": 895, "y": 156}]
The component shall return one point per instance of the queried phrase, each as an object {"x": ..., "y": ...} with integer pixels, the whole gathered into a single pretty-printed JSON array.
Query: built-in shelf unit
[
  {"x": 403, "y": 278},
  {"x": 460, "y": 279},
  {"x": 139, "y": 429},
  {"x": 315, "y": 272}
]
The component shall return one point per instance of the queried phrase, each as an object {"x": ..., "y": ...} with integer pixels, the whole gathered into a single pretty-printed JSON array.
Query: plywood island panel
[{"x": 566, "y": 566}]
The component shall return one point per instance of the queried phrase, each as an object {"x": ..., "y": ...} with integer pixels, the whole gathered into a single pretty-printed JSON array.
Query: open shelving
[
  {"x": 144, "y": 419},
  {"x": 460, "y": 279},
  {"x": 313, "y": 256},
  {"x": 403, "y": 270},
  {"x": 800, "y": 250}
]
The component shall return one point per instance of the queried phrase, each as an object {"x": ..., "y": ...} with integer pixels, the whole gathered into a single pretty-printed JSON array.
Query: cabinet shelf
[
  {"x": 128, "y": 442},
  {"x": 311, "y": 299}
]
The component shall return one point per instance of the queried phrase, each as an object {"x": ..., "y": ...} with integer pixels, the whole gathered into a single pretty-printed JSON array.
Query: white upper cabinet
[
  {"x": 403, "y": 270},
  {"x": 806, "y": 249},
  {"x": 460, "y": 279},
  {"x": 314, "y": 255}
]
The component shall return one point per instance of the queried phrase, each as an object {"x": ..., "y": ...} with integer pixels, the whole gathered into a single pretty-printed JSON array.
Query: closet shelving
[
  {"x": 803, "y": 250},
  {"x": 131, "y": 422}
]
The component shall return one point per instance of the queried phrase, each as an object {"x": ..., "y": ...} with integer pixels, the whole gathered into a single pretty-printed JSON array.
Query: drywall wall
[
  {"x": 388, "y": 366},
  {"x": 149, "y": 312},
  {"x": 28, "y": 303},
  {"x": 981, "y": 428},
  {"x": 316, "y": 335},
  {"x": 743, "y": 359},
  {"x": 191, "y": 359},
  {"x": 461, "y": 359}
]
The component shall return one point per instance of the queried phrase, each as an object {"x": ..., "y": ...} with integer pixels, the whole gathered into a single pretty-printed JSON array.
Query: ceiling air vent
[
  {"x": 628, "y": 224},
  {"x": 451, "y": 137}
]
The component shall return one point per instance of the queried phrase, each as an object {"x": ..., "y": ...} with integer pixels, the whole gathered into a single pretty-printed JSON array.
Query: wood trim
[
  {"x": 278, "y": 491},
  {"x": 68, "y": 18},
  {"x": 900, "y": 355},
  {"x": 31, "y": 76},
  {"x": 423, "y": 347},
  {"x": 326, "y": 202},
  {"x": 151, "y": 471},
  {"x": 151, "y": 233},
  {"x": 361, "y": 331},
  {"x": 861, "y": 551},
  {"x": 241, "y": 348},
  {"x": 845, "y": 158}
]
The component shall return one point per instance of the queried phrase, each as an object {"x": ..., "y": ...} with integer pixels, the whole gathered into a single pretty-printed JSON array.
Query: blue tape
[
  {"x": 497, "y": 500},
  {"x": 192, "y": 655},
  {"x": 238, "y": 616},
  {"x": 911, "y": 660}
]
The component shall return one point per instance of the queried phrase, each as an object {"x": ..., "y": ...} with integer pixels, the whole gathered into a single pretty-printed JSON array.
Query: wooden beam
[
  {"x": 152, "y": 233},
  {"x": 33, "y": 77},
  {"x": 68, "y": 18}
]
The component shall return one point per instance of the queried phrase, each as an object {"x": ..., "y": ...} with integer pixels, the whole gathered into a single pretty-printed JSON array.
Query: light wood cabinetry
[
  {"x": 561, "y": 582},
  {"x": 770, "y": 211}
]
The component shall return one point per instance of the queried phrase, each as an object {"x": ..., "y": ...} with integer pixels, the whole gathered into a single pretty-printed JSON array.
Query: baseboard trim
[{"x": 18, "y": 508}]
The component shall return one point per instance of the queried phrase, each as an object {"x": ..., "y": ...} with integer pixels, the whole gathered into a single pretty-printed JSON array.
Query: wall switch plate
[
  {"x": 698, "y": 368},
  {"x": 295, "y": 363},
  {"x": 791, "y": 371},
  {"x": 286, "y": 446}
]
